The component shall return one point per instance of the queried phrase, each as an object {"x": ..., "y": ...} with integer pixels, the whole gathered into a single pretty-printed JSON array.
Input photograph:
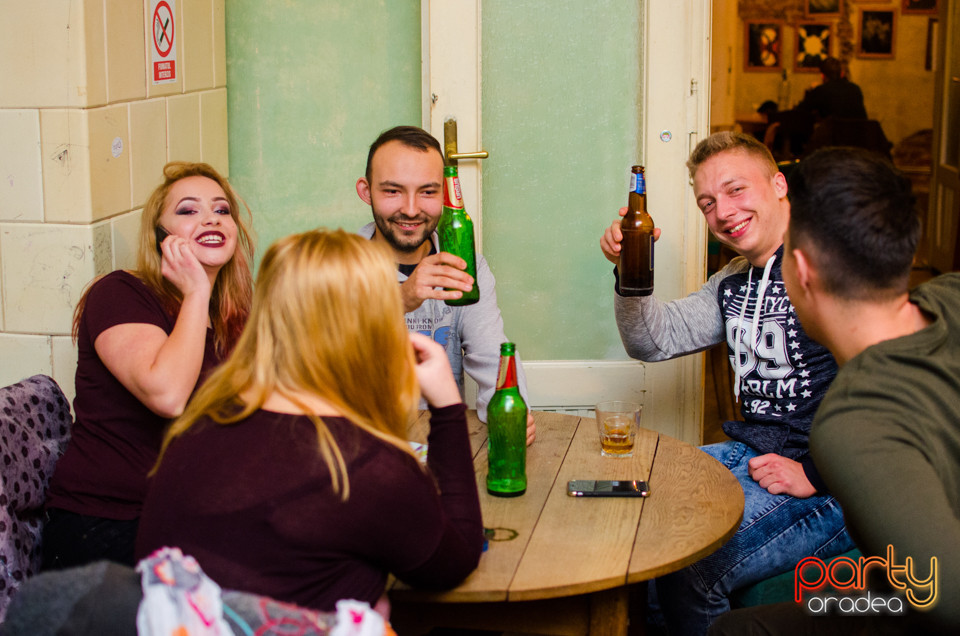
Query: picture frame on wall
[
  {"x": 822, "y": 8},
  {"x": 814, "y": 41},
  {"x": 876, "y": 34},
  {"x": 930, "y": 60},
  {"x": 763, "y": 45},
  {"x": 921, "y": 7}
]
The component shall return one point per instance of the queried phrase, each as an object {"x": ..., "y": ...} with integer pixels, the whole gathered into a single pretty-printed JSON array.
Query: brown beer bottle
[{"x": 636, "y": 249}]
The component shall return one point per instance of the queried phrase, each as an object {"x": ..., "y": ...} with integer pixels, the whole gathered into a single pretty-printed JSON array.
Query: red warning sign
[{"x": 164, "y": 52}]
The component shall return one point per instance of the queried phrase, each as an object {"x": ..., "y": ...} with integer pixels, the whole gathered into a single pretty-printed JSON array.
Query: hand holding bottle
[
  {"x": 437, "y": 276},
  {"x": 610, "y": 241}
]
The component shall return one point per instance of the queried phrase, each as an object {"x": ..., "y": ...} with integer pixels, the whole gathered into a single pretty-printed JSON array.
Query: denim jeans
[{"x": 776, "y": 532}]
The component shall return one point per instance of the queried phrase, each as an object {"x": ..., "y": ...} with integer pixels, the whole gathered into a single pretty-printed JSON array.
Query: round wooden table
[{"x": 562, "y": 565}]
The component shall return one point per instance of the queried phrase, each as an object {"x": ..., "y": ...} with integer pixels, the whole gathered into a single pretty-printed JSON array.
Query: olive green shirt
[{"x": 886, "y": 440}]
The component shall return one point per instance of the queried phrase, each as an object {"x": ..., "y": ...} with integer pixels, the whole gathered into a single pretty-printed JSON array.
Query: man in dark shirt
[
  {"x": 891, "y": 414},
  {"x": 836, "y": 96}
]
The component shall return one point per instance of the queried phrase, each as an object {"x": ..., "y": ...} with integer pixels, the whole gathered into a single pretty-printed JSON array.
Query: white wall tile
[
  {"x": 85, "y": 156},
  {"x": 148, "y": 147},
  {"x": 213, "y": 129},
  {"x": 21, "y": 189},
  {"x": 126, "y": 51},
  {"x": 65, "y": 160},
  {"x": 45, "y": 268},
  {"x": 3, "y": 318},
  {"x": 53, "y": 54},
  {"x": 126, "y": 239},
  {"x": 183, "y": 128},
  {"x": 109, "y": 160},
  {"x": 23, "y": 356},
  {"x": 219, "y": 44},
  {"x": 198, "y": 44},
  {"x": 65, "y": 365}
]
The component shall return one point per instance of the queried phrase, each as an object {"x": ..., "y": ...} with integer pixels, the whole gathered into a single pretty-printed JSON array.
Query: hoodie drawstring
[{"x": 738, "y": 367}]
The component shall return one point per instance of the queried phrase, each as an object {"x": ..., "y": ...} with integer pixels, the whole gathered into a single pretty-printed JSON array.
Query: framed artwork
[
  {"x": 822, "y": 8},
  {"x": 876, "y": 34},
  {"x": 814, "y": 41},
  {"x": 763, "y": 40},
  {"x": 929, "y": 7},
  {"x": 930, "y": 60}
]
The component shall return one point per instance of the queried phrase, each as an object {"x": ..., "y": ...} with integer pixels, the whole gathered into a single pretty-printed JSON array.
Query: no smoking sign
[{"x": 163, "y": 40}]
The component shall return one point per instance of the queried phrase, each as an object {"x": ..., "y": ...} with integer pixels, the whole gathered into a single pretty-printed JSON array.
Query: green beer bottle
[
  {"x": 455, "y": 230},
  {"x": 507, "y": 431}
]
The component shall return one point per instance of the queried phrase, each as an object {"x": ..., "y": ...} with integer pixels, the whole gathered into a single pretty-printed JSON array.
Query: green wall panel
[
  {"x": 310, "y": 85},
  {"x": 561, "y": 119}
]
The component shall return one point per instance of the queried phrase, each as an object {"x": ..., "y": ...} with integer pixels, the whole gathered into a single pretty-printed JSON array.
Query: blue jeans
[{"x": 776, "y": 532}]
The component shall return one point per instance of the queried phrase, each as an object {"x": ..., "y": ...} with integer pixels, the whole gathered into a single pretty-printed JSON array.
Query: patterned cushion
[{"x": 34, "y": 428}]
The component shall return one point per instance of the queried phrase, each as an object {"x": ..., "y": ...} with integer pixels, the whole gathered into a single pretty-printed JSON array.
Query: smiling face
[
  {"x": 196, "y": 209},
  {"x": 405, "y": 192},
  {"x": 744, "y": 204}
]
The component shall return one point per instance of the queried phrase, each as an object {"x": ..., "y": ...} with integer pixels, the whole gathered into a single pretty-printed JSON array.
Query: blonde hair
[
  {"x": 727, "y": 140},
  {"x": 232, "y": 292},
  {"x": 327, "y": 319}
]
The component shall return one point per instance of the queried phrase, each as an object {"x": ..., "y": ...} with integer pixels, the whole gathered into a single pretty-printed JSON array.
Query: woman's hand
[
  {"x": 437, "y": 384},
  {"x": 180, "y": 266}
]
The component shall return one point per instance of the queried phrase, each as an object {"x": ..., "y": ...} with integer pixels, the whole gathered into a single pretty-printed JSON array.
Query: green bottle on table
[
  {"x": 455, "y": 230},
  {"x": 507, "y": 431}
]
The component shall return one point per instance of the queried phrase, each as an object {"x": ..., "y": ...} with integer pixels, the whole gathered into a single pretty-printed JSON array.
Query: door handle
[{"x": 450, "y": 145}]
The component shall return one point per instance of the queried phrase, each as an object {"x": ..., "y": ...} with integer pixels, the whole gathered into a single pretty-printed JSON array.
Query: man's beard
[{"x": 403, "y": 244}]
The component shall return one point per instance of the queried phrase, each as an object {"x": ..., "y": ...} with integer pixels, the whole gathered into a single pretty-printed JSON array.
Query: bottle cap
[{"x": 507, "y": 348}]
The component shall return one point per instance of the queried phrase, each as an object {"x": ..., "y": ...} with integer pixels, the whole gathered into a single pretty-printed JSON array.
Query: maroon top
[
  {"x": 253, "y": 503},
  {"x": 115, "y": 439}
]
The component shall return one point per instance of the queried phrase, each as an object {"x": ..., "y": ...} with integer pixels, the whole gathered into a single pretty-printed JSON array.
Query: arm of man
[
  {"x": 653, "y": 330},
  {"x": 893, "y": 496}
]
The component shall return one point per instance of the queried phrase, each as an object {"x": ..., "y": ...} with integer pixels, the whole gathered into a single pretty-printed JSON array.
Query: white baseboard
[{"x": 575, "y": 386}]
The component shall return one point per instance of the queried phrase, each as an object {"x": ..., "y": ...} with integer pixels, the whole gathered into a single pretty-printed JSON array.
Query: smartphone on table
[{"x": 607, "y": 488}]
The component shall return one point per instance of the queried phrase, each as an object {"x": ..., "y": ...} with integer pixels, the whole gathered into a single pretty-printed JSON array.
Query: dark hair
[
  {"x": 854, "y": 213},
  {"x": 768, "y": 107},
  {"x": 411, "y": 136},
  {"x": 727, "y": 140},
  {"x": 831, "y": 68}
]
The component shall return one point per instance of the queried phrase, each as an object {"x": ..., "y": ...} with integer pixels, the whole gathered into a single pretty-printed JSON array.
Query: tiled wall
[{"x": 84, "y": 135}]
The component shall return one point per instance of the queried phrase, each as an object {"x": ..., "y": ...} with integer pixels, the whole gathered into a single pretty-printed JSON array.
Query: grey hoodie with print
[
  {"x": 471, "y": 335},
  {"x": 781, "y": 373}
]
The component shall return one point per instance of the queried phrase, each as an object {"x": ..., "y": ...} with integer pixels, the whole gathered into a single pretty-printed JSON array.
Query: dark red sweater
[{"x": 253, "y": 502}]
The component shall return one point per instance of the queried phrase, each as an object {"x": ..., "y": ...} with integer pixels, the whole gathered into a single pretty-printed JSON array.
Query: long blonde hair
[
  {"x": 327, "y": 319},
  {"x": 233, "y": 289}
]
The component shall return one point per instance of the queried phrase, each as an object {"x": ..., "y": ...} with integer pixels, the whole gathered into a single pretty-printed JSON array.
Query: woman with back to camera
[
  {"x": 145, "y": 340},
  {"x": 289, "y": 475}
]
